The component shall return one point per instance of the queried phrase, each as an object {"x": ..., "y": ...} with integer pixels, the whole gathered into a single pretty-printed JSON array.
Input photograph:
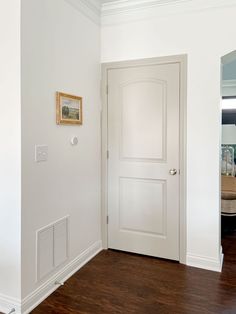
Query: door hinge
[
  {"x": 107, "y": 220},
  {"x": 108, "y": 154}
]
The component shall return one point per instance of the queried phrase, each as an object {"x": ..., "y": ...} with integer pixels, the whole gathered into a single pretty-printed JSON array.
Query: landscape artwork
[{"x": 69, "y": 109}]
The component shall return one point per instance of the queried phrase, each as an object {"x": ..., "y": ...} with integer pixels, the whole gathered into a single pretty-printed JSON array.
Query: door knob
[{"x": 173, "y": 172}]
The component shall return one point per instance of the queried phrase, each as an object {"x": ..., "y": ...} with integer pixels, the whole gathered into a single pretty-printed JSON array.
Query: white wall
[
  {"x": 60, "y": 52},
  {"x": 205, "y": 36},
  {"x": 10, "y": 158}
]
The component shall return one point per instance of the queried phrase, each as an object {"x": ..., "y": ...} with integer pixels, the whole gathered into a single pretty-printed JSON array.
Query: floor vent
[{"x": 52, "y": 247}]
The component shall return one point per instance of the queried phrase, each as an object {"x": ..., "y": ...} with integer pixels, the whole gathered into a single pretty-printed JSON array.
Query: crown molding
[
  {"x": 90, "y": 8},
  {"x": 131, "y": 10},
  {"x": 121, "y": 6}
]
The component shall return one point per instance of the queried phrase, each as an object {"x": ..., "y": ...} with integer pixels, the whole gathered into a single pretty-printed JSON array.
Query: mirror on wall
[{"x": 228, "y": 145}]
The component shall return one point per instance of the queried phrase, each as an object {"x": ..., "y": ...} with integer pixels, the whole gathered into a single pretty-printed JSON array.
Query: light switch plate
[{"x": 41, "y": 153}]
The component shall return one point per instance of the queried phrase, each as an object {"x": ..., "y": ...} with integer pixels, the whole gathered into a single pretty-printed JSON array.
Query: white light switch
[{"x": 41, "y": 153}]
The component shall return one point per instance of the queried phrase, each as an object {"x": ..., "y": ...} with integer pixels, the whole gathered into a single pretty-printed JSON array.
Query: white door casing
[{"x": 141, "y": 130}]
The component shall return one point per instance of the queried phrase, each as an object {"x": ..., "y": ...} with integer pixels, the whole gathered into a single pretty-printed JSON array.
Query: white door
[{"x": 143, "y": 164}]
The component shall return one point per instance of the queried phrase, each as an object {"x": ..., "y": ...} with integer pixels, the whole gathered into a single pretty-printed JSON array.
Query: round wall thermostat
[{"x": 74, "y": 140}]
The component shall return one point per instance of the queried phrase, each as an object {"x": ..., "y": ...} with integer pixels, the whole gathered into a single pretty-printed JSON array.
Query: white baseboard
[
  {"x": 204, "y": 262},
  {"x": 47, "y": 288},
  {"x": 221, "y": 258},
  {"x": 39, "y": 295},
  {"x": 7, "y": 304}
]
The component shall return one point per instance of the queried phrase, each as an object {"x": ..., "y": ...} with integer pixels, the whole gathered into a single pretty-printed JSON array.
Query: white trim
[
  {"x": 40, "y": 294},
  {"x": 8, "y": 303},
  {"x": 48, "y": 287},
  {"x": 90, "y": 8},
  {"x": 141, "y": 9},
  {"x": 119, "y": 6},
  {"x": 182, "y": 60},
  {"x": 221, "y": 258},
  {"x": 205, "y": 262},
  {"x": 126, "y": 11}
]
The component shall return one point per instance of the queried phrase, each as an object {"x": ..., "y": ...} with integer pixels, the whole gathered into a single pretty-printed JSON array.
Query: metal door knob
[{"x": 173, "y": 172}]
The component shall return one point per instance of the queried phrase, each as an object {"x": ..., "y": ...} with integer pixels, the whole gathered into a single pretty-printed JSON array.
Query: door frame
[{"x": 182, "y": 60}]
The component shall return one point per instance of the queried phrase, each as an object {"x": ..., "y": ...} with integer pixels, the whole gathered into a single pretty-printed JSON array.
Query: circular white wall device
[{"x": 74, "y": 140}]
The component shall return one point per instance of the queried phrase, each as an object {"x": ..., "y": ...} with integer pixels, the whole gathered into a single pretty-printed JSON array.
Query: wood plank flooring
[{"x": 121, "y": 283}]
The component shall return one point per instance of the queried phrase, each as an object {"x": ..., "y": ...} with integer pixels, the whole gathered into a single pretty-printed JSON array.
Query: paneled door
[{"x": 143, "y": 164}]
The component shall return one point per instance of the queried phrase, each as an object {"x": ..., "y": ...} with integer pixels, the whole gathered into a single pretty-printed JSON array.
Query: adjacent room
[
  {"x": 118, "y": 133},
  {"x": 228, "y": 140}
]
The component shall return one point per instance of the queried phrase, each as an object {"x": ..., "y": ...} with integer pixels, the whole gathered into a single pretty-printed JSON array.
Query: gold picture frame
[{"x": 69, "y": 109}]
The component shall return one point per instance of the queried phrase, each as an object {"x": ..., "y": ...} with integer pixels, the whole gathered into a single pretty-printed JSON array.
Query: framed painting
[{"x": 69, "y": 109}]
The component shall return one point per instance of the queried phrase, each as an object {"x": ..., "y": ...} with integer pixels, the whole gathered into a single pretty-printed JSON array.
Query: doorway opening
[{"x": 228, "y": 155}]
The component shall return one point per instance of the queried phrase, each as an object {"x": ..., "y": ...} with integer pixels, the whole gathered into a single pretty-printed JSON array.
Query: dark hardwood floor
[{"x": 115, "y": 282}]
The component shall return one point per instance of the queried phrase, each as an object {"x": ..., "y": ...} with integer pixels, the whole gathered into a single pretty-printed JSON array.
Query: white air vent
[
  {"x": 52, "y": 247},
  {"x": 60, "y": 242}
]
